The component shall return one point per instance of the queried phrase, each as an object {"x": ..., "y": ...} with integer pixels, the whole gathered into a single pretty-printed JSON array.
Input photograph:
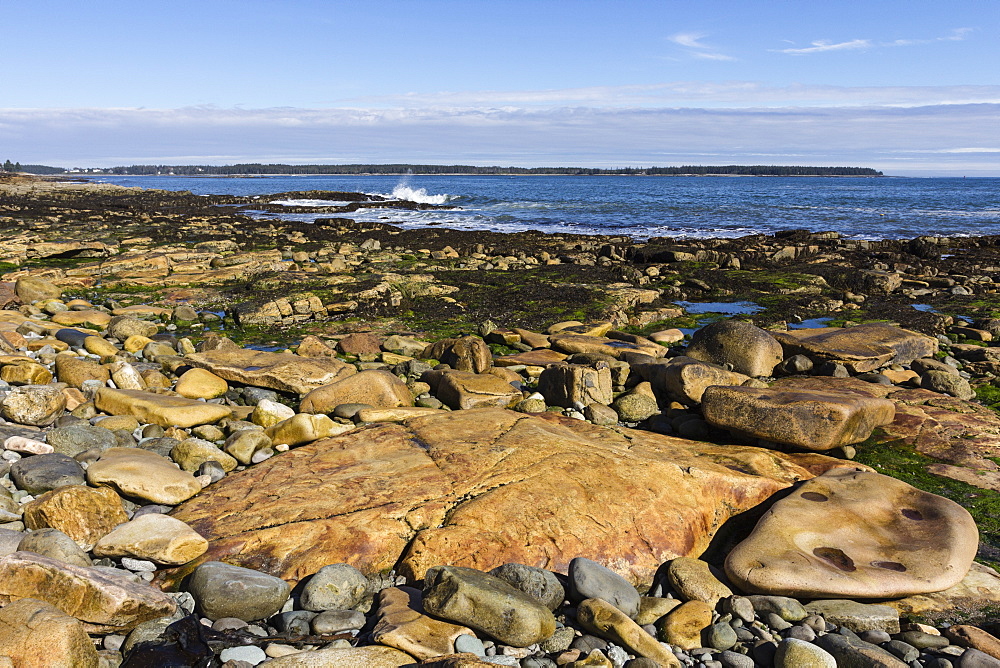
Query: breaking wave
[{"x": 418, "y": 195}]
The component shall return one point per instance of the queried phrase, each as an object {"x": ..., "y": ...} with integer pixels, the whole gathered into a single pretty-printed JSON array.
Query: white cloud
[
  {"x": 825, "y": 45},
  {"x": 697, "y": 49},
  {"x": 819, "y": 46}
]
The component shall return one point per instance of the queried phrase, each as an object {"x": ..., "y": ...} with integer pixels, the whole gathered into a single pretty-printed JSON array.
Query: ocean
[{"x": 646, "y": 206}]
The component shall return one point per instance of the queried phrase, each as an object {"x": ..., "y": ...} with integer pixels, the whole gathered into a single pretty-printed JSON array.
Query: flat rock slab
[
  {"x": 542, "y": 357},
  {"x": 860, "y": 349},
  {"x": 278, "y": 371},
  {"x": 481, "y": 488},
  {"x": 162, "y": 409},
  {"x": 808, "y": 419},
  {"x": 856, "y": 534},
  {"x": 952, "y": 430}
]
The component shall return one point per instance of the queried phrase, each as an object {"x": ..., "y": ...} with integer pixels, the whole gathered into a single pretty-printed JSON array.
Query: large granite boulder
[
  {"x": 861, "y": 348},
  {"x": 481, "y": 488},
  {"x": 748, "y": 348},
  {"x": 808, "y": 419},
  {"x": 856, "y": 534},
  {"x": 279, "y": 371}
]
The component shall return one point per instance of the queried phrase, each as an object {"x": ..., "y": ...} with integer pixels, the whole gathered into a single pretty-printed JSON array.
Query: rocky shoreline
[{"x": 470, "y": 448}]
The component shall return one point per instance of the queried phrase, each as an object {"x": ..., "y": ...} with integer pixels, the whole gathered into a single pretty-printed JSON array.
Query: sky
[{"x": 909, "y": 87}]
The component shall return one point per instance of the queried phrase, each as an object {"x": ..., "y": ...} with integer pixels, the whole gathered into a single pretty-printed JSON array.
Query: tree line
[
  {"x": 9, "y": 166},
  {"x": 399, "y": 169}
]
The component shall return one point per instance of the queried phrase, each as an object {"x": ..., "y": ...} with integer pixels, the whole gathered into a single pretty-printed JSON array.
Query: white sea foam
[
  {"x": 418, "y": 195},
  {"x": 309, "y": 202}
]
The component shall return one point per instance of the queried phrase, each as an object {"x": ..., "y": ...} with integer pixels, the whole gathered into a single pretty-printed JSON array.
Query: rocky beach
[{"x": 235, "y": 440}]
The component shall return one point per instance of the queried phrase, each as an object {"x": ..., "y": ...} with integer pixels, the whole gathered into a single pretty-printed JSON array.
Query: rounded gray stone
[
  {"x": 471, "y": 644},
  {"x": 223, "y": 590},
  {"x": 249, "y": 653},
  {"x": 42, "y": 473},
  {"x": 54, "y": 543},
  {"x": 535, "y": 582},
  {"x": 589, "y": 579},
  {"x": 74, "y": 439},
  {"x": 719, "y": 636},
  {"x": 735, "y": 660},
  {"x": 334, "y": 587},
  {"x": 337, "y": 621}
]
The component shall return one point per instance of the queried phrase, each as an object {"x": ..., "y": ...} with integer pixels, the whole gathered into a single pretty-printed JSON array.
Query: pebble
[{"x": 248, "y": 653}]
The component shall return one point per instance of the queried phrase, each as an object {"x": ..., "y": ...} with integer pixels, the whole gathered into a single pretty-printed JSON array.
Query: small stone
[
  {"x": 36, "y": 405},
  {"x": 720, "y": 636},
  {"x": 200, "y": 384},
  {"x": 223, "y": 590},
  {"x": 603, "y": 618},
  {"x": 694, "y": 581},
  {"x": 249, "y": 653},
  {"x": 589, "y": 579},
  {"x": 334, "y": 587},
  {"x": 682, "y": 627},
  {"x": 794, "y": 653},
  {"x": 338, "y": 621},
  {"x": 156, "y": 537},
  {"x": 486, "y": 603},
  {"x": 536, "y": 582},
  {"x": 27, "y": 446},
  {"x": 191, "y": 453}
]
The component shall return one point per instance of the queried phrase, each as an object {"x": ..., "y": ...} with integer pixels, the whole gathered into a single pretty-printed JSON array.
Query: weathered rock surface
[
  {"x": 472, "y": 598},
  {"x": 36, "y": 634},
  {"x": 164, "y": 410},
  {"x": 158, "y": 538},
  {"x": 808, "y": 419},
  {"x": 402, "y": 624},
  {"x": 102, "y": 601},
  {"x": 856, "y": 534},
  {"x": 375, "y": 388},
  {"x": 279, "y": 371},
  {"x": 860, "y": 349},
  {"x": 363, "y": 497},
  {"x": 83, "y": 513},
  {"x": 749, "y": 349}
]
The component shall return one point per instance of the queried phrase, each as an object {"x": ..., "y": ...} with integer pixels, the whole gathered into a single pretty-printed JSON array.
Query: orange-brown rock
[
  {"x": 402, "y": 624},
  {"x": 83, "y": 513},
  {"x": 464, "y": 390},
  {"x": 856, "y": 534},
  {"x": 469, "y": 488},
  {"x": 36, "y": 634},
  {"x": 376, "y": 388},
  {"x": 103, "y": 602},
  {"x": 279, "y": 371},
  {"x": 808, "y": 419},
  {"x": 466, "y": 353},
  {"x": 860, "y": 349}
]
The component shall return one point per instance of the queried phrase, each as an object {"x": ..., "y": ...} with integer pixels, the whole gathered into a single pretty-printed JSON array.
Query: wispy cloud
[
  {"x": 825, "y": 45},
  {"x": 820, "y": 46},
  {"x": 697, "y": 48}
]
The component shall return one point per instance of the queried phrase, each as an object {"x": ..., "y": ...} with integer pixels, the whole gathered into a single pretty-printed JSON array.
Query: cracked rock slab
[{"x": 481, "y": 488}]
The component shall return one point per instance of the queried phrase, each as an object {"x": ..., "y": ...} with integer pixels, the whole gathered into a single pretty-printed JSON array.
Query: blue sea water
[{"x": 643, "y": 207}]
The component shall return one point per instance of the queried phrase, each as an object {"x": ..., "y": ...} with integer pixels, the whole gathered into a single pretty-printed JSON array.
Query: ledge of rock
[
  {"x": 480, "y": 488},
  {"x": 861, "y": 348},
  {"x": 278, "y": 371}
]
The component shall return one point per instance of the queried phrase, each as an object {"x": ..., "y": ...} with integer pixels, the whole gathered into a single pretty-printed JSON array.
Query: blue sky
[{"x": 903, "y": 86}]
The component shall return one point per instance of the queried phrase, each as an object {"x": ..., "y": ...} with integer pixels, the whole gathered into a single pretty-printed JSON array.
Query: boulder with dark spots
[{"x": 856, "y": 534}]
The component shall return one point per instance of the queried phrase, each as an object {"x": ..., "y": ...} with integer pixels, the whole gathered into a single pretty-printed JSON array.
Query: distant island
[{"x": 252, "y": 169}]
